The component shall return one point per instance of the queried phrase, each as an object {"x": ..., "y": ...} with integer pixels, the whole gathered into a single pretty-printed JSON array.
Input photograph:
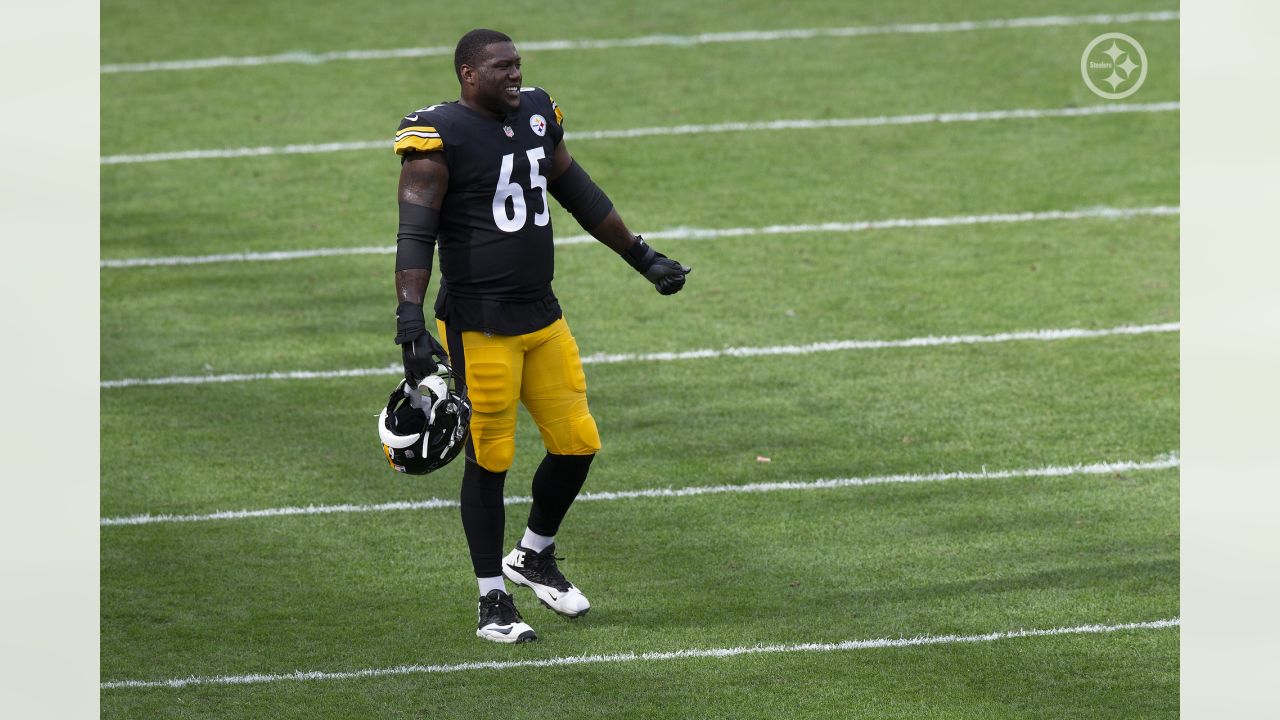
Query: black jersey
[{"x": 496, "y": 252}]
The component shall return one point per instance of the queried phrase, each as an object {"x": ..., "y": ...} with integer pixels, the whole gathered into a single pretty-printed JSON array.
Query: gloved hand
[
  {"x": 666, "y": 274},
  {"x": 419, "y": 357},
  {"x": 419, "y": 349}
]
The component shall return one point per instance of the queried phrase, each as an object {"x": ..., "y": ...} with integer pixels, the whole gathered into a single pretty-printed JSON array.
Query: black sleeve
[
  {"x": 417, "y": 237},
  {"x": 577, "y": 192}
]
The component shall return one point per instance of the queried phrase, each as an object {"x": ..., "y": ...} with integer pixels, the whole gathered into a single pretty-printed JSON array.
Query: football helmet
[{"x": 422, "y": 429}]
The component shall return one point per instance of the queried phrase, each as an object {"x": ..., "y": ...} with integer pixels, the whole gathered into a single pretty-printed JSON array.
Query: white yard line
[
  {"x": 629, "y": 133},
  {"x": 682, "y": 233},
  {"x": 628, "y": 657},
  {"x": 838, "y": 345},
  {"x": 314, "y": 58},
  {"x": 735, "y": 352},
  {"x": 251, "y": 377},
  {"x": 1170, "y": 460}
]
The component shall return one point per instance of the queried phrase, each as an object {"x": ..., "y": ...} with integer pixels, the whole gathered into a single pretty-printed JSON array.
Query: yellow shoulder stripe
[
  {"x": 418, "y": 138},
  {"x": 556, "y": 107},
  {"x": 421, "y": 130},
  {"x": 416, "y": 143}
]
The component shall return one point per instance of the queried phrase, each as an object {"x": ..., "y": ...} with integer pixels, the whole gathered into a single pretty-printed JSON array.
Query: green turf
[
  {"x": 822, "y": 566},
  {"x": 283, "y": 203},
  {"x": 754, "y": 81},
  {"x": 325, "y": 314},
  {"x": 1131, "y": 674},
  {"x": 210, "y": 448},
  {"x": 358, "y": 591},
  {"x": 377, "y": 590},
  {"x": 144, "y": 30}
]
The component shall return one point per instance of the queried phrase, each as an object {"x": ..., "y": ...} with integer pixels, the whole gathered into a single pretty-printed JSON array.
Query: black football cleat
[
  {"x": 539, "y": 572},
  {"x": 499, "y": 621}
]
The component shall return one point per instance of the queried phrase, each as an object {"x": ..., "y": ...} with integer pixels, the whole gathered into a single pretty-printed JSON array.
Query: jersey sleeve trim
[
  {"x": 555, "y": 107},
  {"x": 417, "y": 138}
]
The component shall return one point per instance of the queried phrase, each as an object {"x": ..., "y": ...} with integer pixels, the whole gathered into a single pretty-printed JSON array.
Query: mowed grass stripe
[
  {"x": 1169, "y": 461},
  {"x": 322, "y": 315},
  {"x": 641, "y": 132},
  {"x": 829, "y": 415},
  {"x": 1129, "y": 674},
  {"x": 710, "y": 84},
  {"x": 282, "y": 203},
  {"x": 351, "y": 591},
  {"x": 1046, "y": 335},
  {"x": 694, "y": 653},
  {"x": 316, "y": 58},
  {"x": 682, "y": 234}
]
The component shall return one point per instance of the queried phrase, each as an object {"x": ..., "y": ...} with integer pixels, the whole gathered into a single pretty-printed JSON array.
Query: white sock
[
  {"x": 492, "y": 583},
  {"x": 536, "y": 542}
]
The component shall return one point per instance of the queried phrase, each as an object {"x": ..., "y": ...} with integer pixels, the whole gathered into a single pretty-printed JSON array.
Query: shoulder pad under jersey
[
  {"x": 418, "y": 133},
  {"x": 545, "y": 97}
]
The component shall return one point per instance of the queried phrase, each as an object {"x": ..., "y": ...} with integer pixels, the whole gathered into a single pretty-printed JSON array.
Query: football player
[{"x": 476, "y": 178}]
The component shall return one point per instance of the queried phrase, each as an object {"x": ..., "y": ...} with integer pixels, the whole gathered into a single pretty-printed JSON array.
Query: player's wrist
[
  {"x": 411, "y": 323},
  {"x": 640, "y": 256}
]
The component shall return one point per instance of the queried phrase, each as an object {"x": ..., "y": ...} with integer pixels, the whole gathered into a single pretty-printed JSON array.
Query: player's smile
[{"x": 498, "y": 80}]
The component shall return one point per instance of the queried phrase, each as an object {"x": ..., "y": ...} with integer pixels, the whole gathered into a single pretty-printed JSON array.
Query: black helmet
[{"x": 424, "y": 429}]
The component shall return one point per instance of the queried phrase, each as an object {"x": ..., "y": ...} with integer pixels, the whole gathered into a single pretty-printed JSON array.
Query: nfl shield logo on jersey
[
  {"x": 507, "y": 129},
  {"x": 539, "y": 125}
]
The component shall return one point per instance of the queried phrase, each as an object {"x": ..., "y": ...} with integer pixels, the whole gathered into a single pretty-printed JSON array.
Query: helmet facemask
[{"x": 424, "y": 428}]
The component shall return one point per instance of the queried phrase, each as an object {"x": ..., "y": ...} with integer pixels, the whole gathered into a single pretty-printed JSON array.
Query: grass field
[{"x": 732, "y": 596}]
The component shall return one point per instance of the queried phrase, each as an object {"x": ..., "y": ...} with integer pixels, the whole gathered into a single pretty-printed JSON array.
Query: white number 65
[{"x": 507, "y": 189}]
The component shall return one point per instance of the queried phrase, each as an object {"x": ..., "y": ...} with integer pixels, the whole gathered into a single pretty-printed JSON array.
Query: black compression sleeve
[
  {"x": 577, "y": 193},
  {"x": 417, "y": 237}
]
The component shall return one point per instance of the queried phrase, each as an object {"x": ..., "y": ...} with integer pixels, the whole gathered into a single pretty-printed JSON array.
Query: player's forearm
[
  {"x": 614, "y": 233},
  {"x": 411, "y": 285},
  {"x": 415, "y": 243},
  {"x": 423, "y": 180},
  {"x": 411, "y": 288}
]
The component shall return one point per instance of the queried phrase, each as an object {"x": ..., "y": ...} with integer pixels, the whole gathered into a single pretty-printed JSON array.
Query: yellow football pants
[{"x": 543, "y": 370}]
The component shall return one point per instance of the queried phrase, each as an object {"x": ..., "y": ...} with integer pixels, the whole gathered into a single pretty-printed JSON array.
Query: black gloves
[
  {"x": 419, "y": 358},
  {"x": 666, "y": 274},
  {"x": 418, "y": 348}
]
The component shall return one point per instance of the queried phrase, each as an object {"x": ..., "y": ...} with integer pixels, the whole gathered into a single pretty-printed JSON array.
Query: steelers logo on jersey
[{"x": 539, "y": 125}]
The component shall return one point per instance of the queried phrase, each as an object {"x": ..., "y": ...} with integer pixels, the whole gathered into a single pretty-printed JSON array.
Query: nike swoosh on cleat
[{"x": 504, "y": 631}]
